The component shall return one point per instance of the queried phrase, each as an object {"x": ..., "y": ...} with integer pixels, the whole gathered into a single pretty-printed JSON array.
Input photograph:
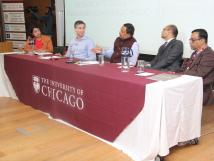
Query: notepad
[
  {"x": 144, "y": 74},
  {"x": 86, "y": 63},
  {"x": 42, "y": 53},
  {"x": 50, "y": 57},
  {"x": 164, "y": 77}
]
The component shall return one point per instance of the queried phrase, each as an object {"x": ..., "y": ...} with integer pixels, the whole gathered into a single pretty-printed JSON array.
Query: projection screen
[{"x": 105, "y": 18}]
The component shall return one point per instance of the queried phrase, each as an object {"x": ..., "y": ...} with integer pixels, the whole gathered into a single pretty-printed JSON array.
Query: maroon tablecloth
[{"x": 98, "y": 99}]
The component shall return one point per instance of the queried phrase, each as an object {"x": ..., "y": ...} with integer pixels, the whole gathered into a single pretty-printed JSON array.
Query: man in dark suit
[
  {"x": 201, "y": 63},
  {"x": 170, "y": 53}
]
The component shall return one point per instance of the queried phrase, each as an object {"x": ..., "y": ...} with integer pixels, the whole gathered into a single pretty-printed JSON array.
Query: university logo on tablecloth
[
  {"x": 36, "y": 83},
  {"x": 58, "y": 91}
]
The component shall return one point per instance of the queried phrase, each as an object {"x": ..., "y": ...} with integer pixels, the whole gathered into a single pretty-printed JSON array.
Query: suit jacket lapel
[
  {"x": 198, "y": 58},
  {"x": 171, "y": 42},
  {"x": 168, "y": 45}
]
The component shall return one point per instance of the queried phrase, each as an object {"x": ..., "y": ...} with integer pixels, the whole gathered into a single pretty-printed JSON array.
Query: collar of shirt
[
  {"x": 168, "y": 41},
  {"x": 201, "y": 50},
  {"x": 82, "y": 38}
]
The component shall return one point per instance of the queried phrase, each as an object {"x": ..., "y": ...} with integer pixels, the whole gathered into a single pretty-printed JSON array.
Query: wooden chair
[{"x": 6, "y": 47}]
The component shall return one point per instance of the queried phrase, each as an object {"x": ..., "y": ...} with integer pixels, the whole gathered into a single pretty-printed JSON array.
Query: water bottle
[
  {"x": 125, "y": 59},
  {"x": 31, "y": 43},
  {"x": 126, "y": 53}
]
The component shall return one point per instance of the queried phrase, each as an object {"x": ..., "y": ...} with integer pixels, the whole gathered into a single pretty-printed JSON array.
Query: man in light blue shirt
[
  {"x": 125, "y": 40},
  {"x": 81, "y": 47}
]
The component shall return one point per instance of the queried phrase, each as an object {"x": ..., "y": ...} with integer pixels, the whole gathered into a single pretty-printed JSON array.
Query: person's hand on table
[{"x": 97, "y": 50}]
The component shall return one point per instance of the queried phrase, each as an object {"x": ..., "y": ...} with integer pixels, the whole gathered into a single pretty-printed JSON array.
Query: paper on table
[
  {"x": 87, "y": 63},
  {"x": 56, "y": 57},
  {"x": 164, "y": 77},
  {"x": 130, "y": 66},
  {"x": 50, "y": 57},
  {"x": 144, "y": 74},
  {"x": 41, "y": 53},
  {"x": 14, "y": 52},
  {"x": 45, "y": 57}
]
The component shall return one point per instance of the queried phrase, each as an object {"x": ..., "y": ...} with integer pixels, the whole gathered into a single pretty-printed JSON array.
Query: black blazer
[{"x": 169, "y": 57}]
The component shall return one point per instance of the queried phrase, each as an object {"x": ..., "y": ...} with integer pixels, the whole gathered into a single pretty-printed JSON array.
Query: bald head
[{"x": 169, "y": 32}]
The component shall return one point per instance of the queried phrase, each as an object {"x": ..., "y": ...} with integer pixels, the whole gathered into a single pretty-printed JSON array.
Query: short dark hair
[
  {"x": 32, "y": 28},
  {"x": 174, "y": 30},
  {"x": 129, "y": 28},
  {"x": 202, "y": 34},
  {"x": 79, "y": 22}
]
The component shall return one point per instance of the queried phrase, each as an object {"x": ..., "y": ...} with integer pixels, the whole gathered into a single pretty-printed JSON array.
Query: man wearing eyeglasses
[{"x": 201, "y": 63}]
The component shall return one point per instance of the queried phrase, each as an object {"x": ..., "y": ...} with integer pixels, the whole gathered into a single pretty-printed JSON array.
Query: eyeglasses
[{"x": 193, "y": 40}]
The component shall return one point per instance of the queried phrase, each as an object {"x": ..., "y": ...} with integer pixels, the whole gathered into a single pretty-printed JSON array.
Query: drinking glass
[
  {"x": 124, "y": 64},
  {"x": 140, "y": 66},
  {"x": 101, "y": 59},
  {"x": 31, "y": 43}
]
